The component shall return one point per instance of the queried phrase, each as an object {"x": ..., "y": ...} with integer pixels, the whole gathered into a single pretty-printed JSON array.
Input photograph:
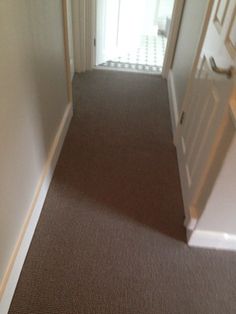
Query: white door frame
[
  {"x": 172, "y": 39},
  {"x": 67, "y": 50},
  {"x": 68, "y": 8},
  {"x": 84, "y": 27}
]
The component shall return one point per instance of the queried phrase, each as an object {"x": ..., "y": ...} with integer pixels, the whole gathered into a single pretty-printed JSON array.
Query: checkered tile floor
[{"x": 148, "y": 57}]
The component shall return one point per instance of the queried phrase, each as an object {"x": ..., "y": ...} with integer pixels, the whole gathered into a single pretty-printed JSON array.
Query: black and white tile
[{"x": 148, "y": 57}]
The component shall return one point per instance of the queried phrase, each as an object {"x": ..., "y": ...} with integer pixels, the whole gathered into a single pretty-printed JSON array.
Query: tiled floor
[{"x": 148, "y": 57}]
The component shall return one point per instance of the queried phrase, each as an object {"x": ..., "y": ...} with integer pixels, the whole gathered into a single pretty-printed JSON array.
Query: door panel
[{"x": 207, "y": 104}]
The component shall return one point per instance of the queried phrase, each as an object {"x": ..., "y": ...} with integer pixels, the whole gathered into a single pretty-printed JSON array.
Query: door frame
[
  {"x": 178, "y": 9},
  {"x": 84, "y": 28},
  {"x": 66, "y": 49},
  {"x": 68, "y": 20}
]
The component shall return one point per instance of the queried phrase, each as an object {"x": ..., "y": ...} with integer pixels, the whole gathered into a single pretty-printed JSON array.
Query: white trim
[
  {"x": 17, "y": 259},
  {"x": 212, "y": 240},
  {"x": 83, "y": 13},
  {"x": 232, "y": 110},
  {"x": 93, "y": 31},
  {"x": 173, "y": 103},
  {"x": 191, "y": 219},
  {"x": 76, "y": 38},
  {"x": 84, "y": 30},
  {"x": 66, "y": 49},
  {"x": 173, "y": 36},
  {"x": 69, "y": 34}
]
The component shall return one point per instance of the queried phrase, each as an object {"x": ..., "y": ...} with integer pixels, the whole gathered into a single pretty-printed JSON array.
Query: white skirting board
[
  {"x": 212, "y": 240},
  {"x": 173, "y": 102},
  {"x": 18, "y": 257}
]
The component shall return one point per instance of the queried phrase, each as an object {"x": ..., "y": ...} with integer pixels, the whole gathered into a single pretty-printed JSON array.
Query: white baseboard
[
  {"x": 10, "y": 279},
  {"x": 212, "y": 240},
  {"x": 173, "y": 102},
  {"x": 191, "y": 218}
]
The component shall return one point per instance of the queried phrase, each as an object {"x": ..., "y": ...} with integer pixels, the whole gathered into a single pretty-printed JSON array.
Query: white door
[
  {"x": 208, "y": 103},
  {"x": 107, "y": 19}
]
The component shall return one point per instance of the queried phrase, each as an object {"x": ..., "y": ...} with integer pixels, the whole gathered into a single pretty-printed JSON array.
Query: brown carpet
[{"x": 110, "y": 239}]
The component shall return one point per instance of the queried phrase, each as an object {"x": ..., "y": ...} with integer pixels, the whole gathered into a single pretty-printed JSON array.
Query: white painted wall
[
  {"x": 33, "y": 101},
  {"x": 219, "y": 212},
  {"x": 216, "y": 227},
  {"x": 192, "y": 20}
]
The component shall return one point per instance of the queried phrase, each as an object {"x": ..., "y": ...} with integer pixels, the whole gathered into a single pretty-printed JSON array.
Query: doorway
[{"x": 132, "y": 35}]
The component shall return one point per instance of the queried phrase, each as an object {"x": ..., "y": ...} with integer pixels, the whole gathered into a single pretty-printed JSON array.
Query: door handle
[{"x": 228, "y": 72}]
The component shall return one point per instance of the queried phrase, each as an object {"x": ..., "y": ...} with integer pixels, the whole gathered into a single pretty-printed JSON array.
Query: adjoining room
[{"x": 132, "y": 35}]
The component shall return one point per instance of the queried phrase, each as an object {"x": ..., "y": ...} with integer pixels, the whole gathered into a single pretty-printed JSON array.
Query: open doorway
[{"x": 131, "y": 35}]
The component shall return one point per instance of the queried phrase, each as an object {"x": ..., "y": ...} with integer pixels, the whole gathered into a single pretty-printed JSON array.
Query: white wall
[
  {"x": 216, "y": 226},
  {"x": 219, "y": 212},
  {"x": 33, "y": 101},
  {"x": 192, "y": 20}
]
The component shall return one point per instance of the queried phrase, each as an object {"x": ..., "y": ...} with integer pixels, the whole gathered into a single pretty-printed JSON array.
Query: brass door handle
[{"x": 228, "y": 72}]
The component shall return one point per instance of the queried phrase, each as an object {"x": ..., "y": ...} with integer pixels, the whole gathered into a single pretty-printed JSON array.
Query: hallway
[{"x": 110, "y": 239}]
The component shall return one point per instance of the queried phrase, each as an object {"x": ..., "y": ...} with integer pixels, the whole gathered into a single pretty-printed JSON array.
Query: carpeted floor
[{"x": 110, "y": 239}]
